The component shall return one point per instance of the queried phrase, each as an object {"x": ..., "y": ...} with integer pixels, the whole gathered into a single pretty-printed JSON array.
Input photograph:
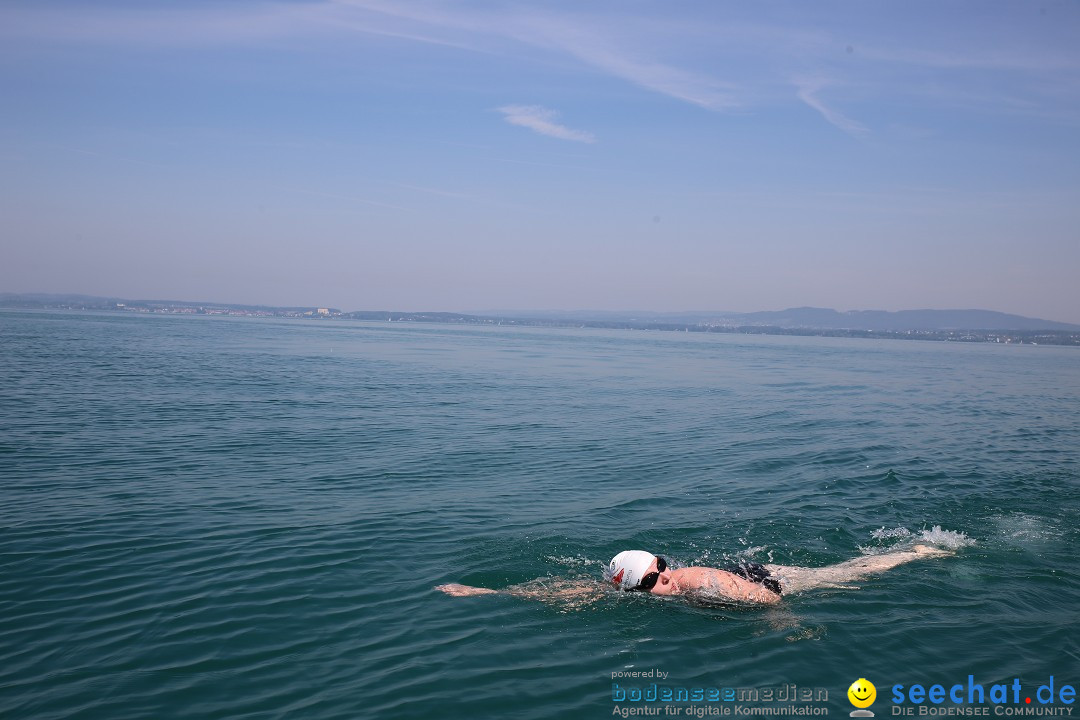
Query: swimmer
[{"x": 641, "y": 571}]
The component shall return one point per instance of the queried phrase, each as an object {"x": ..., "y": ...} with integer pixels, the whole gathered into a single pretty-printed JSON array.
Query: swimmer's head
[{"x": 626, "y": 569}]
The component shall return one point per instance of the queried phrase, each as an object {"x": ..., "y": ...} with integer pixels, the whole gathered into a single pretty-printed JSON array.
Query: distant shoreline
[{"x": 1064, "y": 337}]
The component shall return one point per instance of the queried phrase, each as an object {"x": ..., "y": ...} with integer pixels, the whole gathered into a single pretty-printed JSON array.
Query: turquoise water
[{"x": 239, "y": 518}]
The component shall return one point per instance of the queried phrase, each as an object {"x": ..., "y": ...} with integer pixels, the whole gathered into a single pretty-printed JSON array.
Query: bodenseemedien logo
[{"x": 862, "y": 694}]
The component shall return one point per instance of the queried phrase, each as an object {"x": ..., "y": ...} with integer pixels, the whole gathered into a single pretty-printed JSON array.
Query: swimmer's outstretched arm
[
  {"x": 546, "y": 589},
  {"x": 795, "y": 579}
]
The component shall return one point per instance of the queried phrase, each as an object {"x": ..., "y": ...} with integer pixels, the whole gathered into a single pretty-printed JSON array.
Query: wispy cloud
[
  {"x": 589, "y": 41},
  {"x": 629, "y": 59},
  {"x": 542, "y": 120},
  {"x": 808, "y": 90},
  {"x": 713, "y": 60}
]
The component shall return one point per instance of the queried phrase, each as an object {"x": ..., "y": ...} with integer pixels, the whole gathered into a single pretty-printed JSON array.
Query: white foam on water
[{"x": 1026, "y": 530}]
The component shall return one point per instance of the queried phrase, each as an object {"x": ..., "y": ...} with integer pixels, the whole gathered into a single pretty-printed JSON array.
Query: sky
[{"x": 468, "y": 156}]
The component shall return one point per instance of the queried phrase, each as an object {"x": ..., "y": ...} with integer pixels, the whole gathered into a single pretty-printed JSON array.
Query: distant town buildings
[{"x": 232, "y": 311}]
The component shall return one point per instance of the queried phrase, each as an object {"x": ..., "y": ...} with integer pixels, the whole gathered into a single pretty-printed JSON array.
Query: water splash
[
  {"x": 896, "y": 533},
  {"x": 890, "y": 539},
  {"x": 574, "y": 561},
  {"x": 887, "y": 539},
  {"x": 750, "y": 552},
  {"x": 948, "y": 539}
]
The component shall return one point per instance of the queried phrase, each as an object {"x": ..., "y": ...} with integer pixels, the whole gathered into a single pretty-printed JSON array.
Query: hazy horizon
[
  {"x": 452, "y": 155},
  {"x": 525, "y": 312}
]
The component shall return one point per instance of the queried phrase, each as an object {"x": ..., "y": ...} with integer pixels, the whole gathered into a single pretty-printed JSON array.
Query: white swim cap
[{"x": 628, "y": 567}]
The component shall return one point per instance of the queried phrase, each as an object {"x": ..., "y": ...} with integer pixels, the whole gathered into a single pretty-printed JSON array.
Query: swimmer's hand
[{"x": 458, "y": 590}]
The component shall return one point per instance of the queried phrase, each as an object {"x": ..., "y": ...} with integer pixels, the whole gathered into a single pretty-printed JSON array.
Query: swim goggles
[{"x": 649, "y": 581}]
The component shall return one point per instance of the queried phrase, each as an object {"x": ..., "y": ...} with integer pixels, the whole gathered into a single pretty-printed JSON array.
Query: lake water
[{"x": 246, "y": 518}]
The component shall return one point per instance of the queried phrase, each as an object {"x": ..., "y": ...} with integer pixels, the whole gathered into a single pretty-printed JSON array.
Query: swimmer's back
[{"x": 722, "y": 583}]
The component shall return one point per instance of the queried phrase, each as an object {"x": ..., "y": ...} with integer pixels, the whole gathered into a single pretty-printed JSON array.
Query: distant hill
[
  {"x": 809, "y": 318},
  {"x": 824, "y": 318}
]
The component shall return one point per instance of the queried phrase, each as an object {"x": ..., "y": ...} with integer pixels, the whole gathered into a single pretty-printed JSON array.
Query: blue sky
[{"x": 547, "y": 155}]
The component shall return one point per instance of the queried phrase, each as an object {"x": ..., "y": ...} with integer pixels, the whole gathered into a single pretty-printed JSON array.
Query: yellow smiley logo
[{"x": 862, "y": 693}]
